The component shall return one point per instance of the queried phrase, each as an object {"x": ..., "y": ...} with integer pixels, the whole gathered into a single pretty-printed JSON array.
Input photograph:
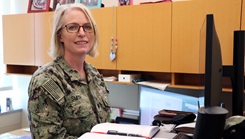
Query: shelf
[
  {"x": 21, "y": 69},
  {"x": 196, "y": 82},
  {"x": 117, "y": 82},
  {"x": 187, "y": 87},
  {"x": 159, "y": 76},
  {"x": 227, "y": 90},
  {"x": 187, "y": 80},
  {"x": 176, "y": 80}
]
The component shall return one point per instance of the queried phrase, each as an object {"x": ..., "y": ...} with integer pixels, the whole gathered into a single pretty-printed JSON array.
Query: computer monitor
[
  {"x": 215, "y": 71},
  {"x": 211, "y": 118},
  {"x": 213, "y": 63}
]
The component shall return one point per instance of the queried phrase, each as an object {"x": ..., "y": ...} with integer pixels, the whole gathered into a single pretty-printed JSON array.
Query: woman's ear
[
  {"x": 61, "y": 40},
  {"x": 60, "y": 37}
]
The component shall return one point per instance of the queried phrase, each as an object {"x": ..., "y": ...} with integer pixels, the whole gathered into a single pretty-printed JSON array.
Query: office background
[{"x": 130, "y": 93}]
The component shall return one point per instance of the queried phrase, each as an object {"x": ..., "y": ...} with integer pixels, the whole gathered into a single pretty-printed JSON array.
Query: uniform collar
[{"x": 74, "y": 75}]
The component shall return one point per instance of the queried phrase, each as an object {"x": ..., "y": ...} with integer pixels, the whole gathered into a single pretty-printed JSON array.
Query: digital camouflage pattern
[{"x": 64, "y": 105}]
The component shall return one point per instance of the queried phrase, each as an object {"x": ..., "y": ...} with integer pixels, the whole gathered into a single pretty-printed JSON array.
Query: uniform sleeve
[{"x": 45, "y": 114}]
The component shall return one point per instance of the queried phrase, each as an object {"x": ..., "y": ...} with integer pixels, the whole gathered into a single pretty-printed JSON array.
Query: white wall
[
  {"x": 2, "y": 67},
  {"x": 19, "y": 96}
]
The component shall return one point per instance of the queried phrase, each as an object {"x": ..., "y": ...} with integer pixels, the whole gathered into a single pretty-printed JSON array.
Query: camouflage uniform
[{"x": 62, "y": 104}]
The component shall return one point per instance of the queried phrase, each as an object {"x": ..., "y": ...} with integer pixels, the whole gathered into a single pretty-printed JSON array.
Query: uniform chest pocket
[{"x": 77, "y": 107}]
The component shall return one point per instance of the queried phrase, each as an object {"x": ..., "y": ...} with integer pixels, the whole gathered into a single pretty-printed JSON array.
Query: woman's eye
[
  {"x": 73, "y": 27},
  {"x": 88, "y": 27}
]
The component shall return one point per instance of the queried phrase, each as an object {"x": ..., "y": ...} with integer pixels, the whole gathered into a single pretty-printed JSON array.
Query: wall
[
  {"x": 20, "y": 6},
  {"x": 2, "y": 67}
]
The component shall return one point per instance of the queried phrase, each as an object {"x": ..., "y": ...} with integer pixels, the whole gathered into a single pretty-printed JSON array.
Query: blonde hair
[{"x": 56, "y": 46}]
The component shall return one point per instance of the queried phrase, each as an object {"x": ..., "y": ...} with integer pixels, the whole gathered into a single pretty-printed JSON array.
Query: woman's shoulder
[
  {"x": 48, "y": 71},
  {"x": 45, "y": 69},
  {"x": 45, "y": 73}
]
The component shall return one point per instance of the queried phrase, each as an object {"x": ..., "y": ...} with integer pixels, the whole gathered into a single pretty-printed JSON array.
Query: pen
[
  {"x": 135, "y": 135},
  {"x": 114, "y": 132}
]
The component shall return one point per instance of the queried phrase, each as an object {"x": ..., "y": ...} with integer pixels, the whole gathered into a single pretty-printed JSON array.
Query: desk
[
  {"x": 16, "y": 134},
  {"x": 10, "y": 120},
  {"x": 162, "y": 134},
  {"x": 20, "y": 132}
]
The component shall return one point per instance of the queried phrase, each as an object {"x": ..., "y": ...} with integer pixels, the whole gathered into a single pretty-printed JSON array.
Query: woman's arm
[{"x": 45, "y": 113}]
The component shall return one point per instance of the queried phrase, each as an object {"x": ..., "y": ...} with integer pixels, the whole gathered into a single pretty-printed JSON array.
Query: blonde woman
[{"x": 68, "y": 96}]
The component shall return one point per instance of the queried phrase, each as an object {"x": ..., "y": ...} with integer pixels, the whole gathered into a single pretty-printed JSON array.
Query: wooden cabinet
[
  {"x": 243, "y": 16},
  {"x": 143, "y": 33},
  {"x": 163, "y": 40},
  {"x": 105, "y": 19},
  {"x": 18, "y": 39},
  {"x": 188, "y": 18},
  {"x": 26, "y": 38},
  {"x": 144, "y": 37},
  {"x": 43, "y": 32}
]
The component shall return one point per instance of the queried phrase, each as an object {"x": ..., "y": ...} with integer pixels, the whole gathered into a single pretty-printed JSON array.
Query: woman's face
[{"x": 78, "y": 43}]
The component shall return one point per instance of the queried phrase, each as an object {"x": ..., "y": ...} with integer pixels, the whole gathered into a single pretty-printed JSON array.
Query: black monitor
[
  {"x": 213, "y": 63},
  {"x": 211, "y": 118},
  {"x": 214, "y": 71}
]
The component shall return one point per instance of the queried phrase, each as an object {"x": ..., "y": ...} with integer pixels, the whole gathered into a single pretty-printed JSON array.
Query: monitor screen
[{"x": 153, "y": 100}]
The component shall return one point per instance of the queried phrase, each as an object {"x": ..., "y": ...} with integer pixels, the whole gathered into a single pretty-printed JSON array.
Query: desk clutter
[
  {"x": 128, "y": 77},
  {"x": 210, "y": 123},
  {"x": 234, "y": 128},
  {"x": 173, "y": 117}
]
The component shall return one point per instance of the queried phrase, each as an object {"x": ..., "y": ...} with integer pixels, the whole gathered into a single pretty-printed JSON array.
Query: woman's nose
[{"x": 81, "y": 31}]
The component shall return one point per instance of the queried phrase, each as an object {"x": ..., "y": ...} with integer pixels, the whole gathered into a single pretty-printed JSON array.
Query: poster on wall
[
  {"x": 125, "y": 2},
  {"x": 38, "y": 6},
  {"x": 91, "y": 3}
]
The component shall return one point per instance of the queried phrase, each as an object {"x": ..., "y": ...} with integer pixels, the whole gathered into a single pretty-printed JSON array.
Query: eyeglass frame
[{"x": 92, "y": 30}]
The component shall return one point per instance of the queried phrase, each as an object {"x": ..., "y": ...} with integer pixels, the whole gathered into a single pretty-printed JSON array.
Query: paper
[
  {"x": 154, "y": 84},
  {"x": 131, "y": 112},
  {"x": 111, "y": 78},
  {"x": 101, "y": 131},
  {"x": 105, "y": 136},
  {"x": 26, "y": 129},
  {"x": 115, "y": 112},
  {"x": 168, "y": 127},
  {"x": 191, "y": 125}
]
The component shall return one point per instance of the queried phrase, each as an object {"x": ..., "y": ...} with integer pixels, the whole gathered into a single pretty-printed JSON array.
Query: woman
[{"x": 68, "y": 96}]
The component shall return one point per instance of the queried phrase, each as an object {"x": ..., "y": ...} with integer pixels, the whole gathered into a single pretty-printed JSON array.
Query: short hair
[{"x": 56, "y": 46}]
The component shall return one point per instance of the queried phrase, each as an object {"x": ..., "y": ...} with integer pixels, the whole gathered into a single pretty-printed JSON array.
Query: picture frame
[
  {"x": 91, "y": 3},
  {"x": 57, "y": 3},
  {"x": 125, "y": 2},
  {"x": 38, "y": 6}
]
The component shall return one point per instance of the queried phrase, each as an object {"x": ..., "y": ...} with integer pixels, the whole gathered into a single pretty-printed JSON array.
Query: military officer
[{"x": 68, "y": 96}]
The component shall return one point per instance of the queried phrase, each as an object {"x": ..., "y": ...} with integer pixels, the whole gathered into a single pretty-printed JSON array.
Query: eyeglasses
[{"x": 74, "y": 28}]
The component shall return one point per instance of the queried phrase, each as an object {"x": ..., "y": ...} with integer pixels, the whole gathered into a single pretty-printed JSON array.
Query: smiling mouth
[{"x": 81, "y": 42}]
